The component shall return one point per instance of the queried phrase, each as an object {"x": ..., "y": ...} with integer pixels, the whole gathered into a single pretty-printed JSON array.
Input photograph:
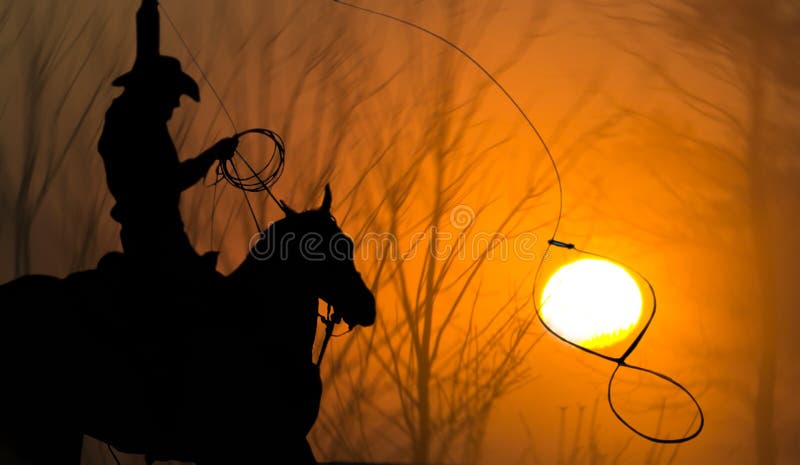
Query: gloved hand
[{"x": 225, "y": 148}]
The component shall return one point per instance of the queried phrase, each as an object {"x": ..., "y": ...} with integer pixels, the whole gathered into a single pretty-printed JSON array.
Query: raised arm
[{"x": 147, "y": 31}]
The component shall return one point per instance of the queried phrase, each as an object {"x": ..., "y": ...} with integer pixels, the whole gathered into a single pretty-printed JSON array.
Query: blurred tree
[
  {"x": 445, "y": 350},
  {"x": 744, "y": 47},
  {"x": 50, "y": 128}
]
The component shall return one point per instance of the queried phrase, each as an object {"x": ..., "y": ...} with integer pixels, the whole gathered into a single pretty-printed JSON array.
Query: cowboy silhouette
[
  {"x": 143, "y": 171},
  {"x": 160, "y": 282}
]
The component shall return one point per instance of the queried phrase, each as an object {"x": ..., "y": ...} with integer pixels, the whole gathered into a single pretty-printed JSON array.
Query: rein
[{"x": 330, "y": 320}]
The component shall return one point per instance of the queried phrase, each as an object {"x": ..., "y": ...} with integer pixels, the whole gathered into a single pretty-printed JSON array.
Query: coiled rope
[{"x": 259, "y": 180}]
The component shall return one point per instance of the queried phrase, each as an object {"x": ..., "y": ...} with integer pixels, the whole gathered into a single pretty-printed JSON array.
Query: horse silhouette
[{"x": 221, "y": 373}]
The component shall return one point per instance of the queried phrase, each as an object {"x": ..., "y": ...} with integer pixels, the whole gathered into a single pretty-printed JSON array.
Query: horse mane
[{"x": 258, "y": 253}]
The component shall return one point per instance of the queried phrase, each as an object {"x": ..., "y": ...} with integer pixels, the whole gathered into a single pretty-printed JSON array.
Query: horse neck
[{"x": 278, "y": 288}]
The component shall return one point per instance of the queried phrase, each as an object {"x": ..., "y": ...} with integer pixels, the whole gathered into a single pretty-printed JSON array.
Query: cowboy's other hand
[{"x": 225, "y": 148}]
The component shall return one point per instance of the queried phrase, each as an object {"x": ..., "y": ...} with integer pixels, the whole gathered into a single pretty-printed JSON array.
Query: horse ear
[
  {"x": 287, "y": 210},
  {"x": 327, "y": 200}
]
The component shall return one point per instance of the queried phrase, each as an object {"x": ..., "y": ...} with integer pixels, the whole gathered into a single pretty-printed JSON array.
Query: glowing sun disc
[{"x": 593, "y": 303}]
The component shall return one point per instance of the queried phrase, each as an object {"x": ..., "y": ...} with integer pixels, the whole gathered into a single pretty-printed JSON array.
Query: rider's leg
[{"x": 47, "y": 445}]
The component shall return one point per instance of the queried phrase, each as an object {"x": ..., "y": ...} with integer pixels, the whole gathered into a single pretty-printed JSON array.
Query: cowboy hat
[{"x": 162, "y": 71}]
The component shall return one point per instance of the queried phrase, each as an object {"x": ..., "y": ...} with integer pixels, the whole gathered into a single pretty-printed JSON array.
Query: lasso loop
[
  {"x": 687, "y": 437},
  {"x": 260, "y": 180},
  {"x": 621, "y": 361}
]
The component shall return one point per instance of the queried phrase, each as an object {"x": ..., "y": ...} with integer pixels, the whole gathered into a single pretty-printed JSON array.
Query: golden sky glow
[{"x": 677, "y": 141}]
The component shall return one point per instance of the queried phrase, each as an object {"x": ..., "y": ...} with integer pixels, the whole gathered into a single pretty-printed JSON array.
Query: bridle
[{"x": 330, "y": 320}]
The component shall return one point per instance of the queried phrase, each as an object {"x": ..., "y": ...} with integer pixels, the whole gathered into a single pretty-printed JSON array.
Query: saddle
[{"x": 118, "y": 263}]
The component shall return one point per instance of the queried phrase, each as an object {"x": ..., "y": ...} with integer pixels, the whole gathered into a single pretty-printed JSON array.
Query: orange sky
[{"x": 634, "y": 187}]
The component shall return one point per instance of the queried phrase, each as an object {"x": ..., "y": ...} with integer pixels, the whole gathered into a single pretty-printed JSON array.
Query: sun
[{"x": 591, "y": 302}]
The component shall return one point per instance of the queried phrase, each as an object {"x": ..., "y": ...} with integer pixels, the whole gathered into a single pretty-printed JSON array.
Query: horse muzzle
[{"x": 356, "y": 309}]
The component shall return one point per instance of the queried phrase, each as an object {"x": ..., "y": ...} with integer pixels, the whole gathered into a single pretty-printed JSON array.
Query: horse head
[{"x": 311, "y": 247}]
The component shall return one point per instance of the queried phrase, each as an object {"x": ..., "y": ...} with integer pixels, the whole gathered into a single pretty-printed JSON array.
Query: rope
[
  {"x": 197, "y": 65},
  {"x": 263, "y": 179},
  {"x": 260, "y": 180},
  {"x": 621, "y": 361},
  {"x": 496, "y": 83},
  {"x": 255, "y": 183},
  {"x": 227, "y": 170},
  {"x": 553, "y": 242},
  {"x": 688, "y": 437},
  {"x": 113, "y": 454}
]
